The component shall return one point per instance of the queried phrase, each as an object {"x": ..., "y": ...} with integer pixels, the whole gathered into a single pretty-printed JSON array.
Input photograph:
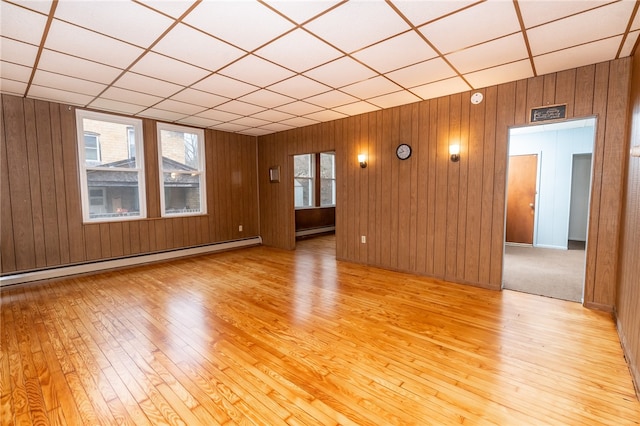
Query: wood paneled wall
[
  {"x": 41, "y": 221},
  {"x": 430, "y": 216},
  {"x": 628, "y": 294}
]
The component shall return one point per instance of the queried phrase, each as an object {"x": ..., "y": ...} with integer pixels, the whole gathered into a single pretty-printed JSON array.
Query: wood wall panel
[
  {"x": 41, "y": 222},
  {"x": 430, "y": 216},
  {"x": 628, "y": 286}
]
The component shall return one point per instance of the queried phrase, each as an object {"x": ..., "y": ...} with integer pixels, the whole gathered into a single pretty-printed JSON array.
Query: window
[
  {"x": 304, "y": 172},
  {"x": 182, "y": 171},
  {"x": 111, "y": 180},
  {"x": 327, "y": 179}
]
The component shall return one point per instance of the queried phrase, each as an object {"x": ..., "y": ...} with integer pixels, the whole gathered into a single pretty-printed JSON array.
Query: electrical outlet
[
  {"x": 363, "y": 239},
  {"x": 240, "y": 228}
]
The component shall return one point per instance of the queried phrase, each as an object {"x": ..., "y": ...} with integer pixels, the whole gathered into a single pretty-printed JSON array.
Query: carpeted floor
[{"x": 547, "y": 272}]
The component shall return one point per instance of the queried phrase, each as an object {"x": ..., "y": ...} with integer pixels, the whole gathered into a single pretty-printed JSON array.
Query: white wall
[
  {"x": 579, "y": 208},
  {"x": 555, "y": 149}
]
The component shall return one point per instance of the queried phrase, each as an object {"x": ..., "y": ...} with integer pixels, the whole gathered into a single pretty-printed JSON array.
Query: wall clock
[{"x": 403, "y": 151}]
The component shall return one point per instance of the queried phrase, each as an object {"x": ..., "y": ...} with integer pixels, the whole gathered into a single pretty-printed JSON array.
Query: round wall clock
[{"x": 403, "y": 151}]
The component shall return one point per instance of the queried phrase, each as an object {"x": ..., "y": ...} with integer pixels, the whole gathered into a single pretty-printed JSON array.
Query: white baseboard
[
  {"x": 313, "y": 231},
  {"x": 64, "y": 271}
]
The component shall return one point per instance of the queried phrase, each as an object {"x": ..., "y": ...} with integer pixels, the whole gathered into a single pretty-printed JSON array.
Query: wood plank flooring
[{"x": 262, "y": 336}]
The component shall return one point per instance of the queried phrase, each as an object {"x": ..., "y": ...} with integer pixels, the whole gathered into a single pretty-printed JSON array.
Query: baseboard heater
[
  {"x": 65, "y": 271},
  {"x": 312, "y": 231}
]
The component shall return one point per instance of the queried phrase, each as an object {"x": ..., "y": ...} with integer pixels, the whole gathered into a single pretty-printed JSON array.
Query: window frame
[
  {"x": 311, "y": 179},
  {"x": 85, "y": 198},
  {"x": 202, "y": 166}
]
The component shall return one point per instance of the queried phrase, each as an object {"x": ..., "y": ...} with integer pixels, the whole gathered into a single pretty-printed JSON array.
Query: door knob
[{"x": 531, "y": 205}]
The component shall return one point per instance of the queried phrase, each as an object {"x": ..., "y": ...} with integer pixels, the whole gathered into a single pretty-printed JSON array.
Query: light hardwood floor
[{"x": 268, "y": 337}]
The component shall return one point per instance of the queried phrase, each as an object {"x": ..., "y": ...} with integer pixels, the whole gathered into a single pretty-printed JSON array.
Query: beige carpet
[{"x": 547, "y": 272}]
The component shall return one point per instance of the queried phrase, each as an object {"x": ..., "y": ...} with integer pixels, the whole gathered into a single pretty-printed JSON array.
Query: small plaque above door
[{"x": 554, "y": 112}]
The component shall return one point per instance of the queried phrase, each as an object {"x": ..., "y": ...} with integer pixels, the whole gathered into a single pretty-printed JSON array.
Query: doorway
[{"x": 554, "y": 160}]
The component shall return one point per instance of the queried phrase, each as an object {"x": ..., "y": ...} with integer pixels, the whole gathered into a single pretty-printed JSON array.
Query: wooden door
[{"x": 521, "y": 198}]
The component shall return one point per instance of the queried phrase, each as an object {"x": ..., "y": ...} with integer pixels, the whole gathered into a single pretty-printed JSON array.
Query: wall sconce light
[
  {"x": 635, "y": 151},
  {"x": 454, "y": 151},
  {"x": 362, "y": 159}
]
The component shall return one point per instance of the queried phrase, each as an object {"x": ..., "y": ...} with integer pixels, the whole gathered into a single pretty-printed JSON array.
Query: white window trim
[
  {"x": 84, "y": 188},
  {"x": 202, "y": 168}
]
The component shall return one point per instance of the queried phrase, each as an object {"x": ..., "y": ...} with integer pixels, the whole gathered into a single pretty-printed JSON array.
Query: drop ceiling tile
[
  {"x": 255, "y": 132},
  {"x": 67, "y": 38},
  {"x": 130, "y": 97},
  {"x": 199, "y": 122},
  {"x": 230, "y": 127},
  {"x": 256, "y": 71},
  {"x": 299, "y": 122},
  {"x": 179, "y": 107},
  {"x": 299, "y": 87},
  {"x": 582, "y": 28},
  {"x": 42, "y": 6},
  {"x": 590, "y": 53},
  {"x": 18, "y": 52},
  {"x": 21, "y": 24},
  {"x": 250, "y": 122},
  {"x": 299, "y": 108},
  {"x": 373, "y": 87},
  {"x": 340, "y": 72},
  {"x": 145, "y": 84},
  {"x": 224, "y": 86},
  {"x": 12, "y": 87},
  {"x": 173, "y": 8},
  {"x": 266, "y": 98},
  {"x": 493, "y": 53},
  {"x": 116, "y": 106},
  {"x": 222, "y": 116},
  {"x": 403, "y": 50},
  {"x": 331, "y": 99},
  {"x": 540, "y": 12},
  {"x": 198, "y": 97},
  {"x": 118, "y": 19},
  {"x": 441, "y": 88},
  {"x": 273, "y": 115},
  {"x": 301, "y": 11},
  {"x": 636, "y": 23},
  {"x": 76, "y": 67},
  {"x": 357, "y": 24},
  {"x": 162, "y": 115},
  {"x": 627, "y": 48},
  {"x": 326, "y": 115},
  {"x": 241, "y": 108},
  {"x": 15, "y": 72},
  {"x": 276, "y": 127},
  {"x": 56, "y": 95},
  {"x": 501, "y": 74},
  {"x": 418, "y": 13},
  {"x": 247, "y": 25},
  {"x": 472, "y": 26},
  {"x": 197, "y": 48},
  {"x": 164, "y": 68},
  {"x": 356, "y": 108},
  {"x": 298, "y": 51},
  {"x": 394, "y": 99},
  {"x": 71, "y": 84},
  {"x": 422, "y": 73}
]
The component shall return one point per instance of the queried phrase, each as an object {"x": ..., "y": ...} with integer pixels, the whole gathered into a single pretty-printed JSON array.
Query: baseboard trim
[
  {"x": 633, "y": 369},
  {"x": 313, "y": 231},
  {"x": 84, "y": 268},
  {"x": 598, "y": 307}
]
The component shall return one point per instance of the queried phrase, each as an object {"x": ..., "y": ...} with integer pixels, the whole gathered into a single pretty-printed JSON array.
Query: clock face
[{"x": 403, "y": 151}]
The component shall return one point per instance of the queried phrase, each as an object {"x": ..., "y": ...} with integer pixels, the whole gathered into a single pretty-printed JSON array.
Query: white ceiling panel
[
  {"x": 535, "y": 13},
  {"x": 299, "y": 108},
  {"x": 240, "y": 108},
  {"x": 484, "y": 22},
  {"x": 12, "y": 87},
  {"x": 509, "y": 72},
  {"x": 419, "y": 13},
  {"x": 490, "y": 54},
  {"x": 299, "y": 122},
  {"x": 266, "y": 98},
  {"x": 636, "y": 23},
  {"x": 167, "y": 69},
  {"x": 198, "y": 97},
  {"x": 298, "y": 51},
  {"x": 21, "y": 24},
  {"x": 15, "y": 72},
  {"x": 250, "y": 122},
  {"x": 258, "y": 131},
  {"x": 198, "y": 122},
  {"x": 441, "y": 88},
  {"x": 230, "y": 127},
  {"x": 130, "y": 96},
  {"x": 301, "y": 11},
  {"x": 141, "y": 83},
  {"x": 373, "y": 87},
  {"x": 629, "y": 43},
  {"x": 115, "y": 106},
  {"x": 162, "y": 114},
  {"x": 71, "y": 84},
  {"x": 357, "y": 24},
  {"x": 173, "y": 8},
  {"x": 18, "y": 52},
  {"x": 326, "y": 115},
  {"x": 585, "y": 27},
  {"x": 276, "y": 127},
  {"x": 272, "y": 115},
  {"x": 42, "y": 6},
  {"x": 179, "y": 107},
  {"x": 356, "y": 108},
  {"x": 86, "y": 44},
  {"x": 340, "y": 72},
  {"x": 77, "y": 67},
  {"x": 221, "y": 116},
  {"x": 187, "y": 44},
  {"x": 118, "y": 19},
  {"x": 224, "y": 86},
  {"x": 394, "y": 99},
  {"x": 599, "y": 51},
  {"x": 247, "y": 25},
  {"x": 57, "y": 95},
  {"x": 422, "y": 73},
  {"x": 256, "y": 71},
  {"x": 331, "y": 99},
  {"x": 299, "y": 87},
  {"x": 403, "y": 50}
]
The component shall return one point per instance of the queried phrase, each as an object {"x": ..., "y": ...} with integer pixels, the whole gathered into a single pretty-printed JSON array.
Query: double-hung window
[
  {"x": 111, "y": 166},
  {"x": 327, "y": 179},
  {"x": 304, "y": 180},
  {"x": 182, "y": 170},
  {"x": 314, "y": 180}
]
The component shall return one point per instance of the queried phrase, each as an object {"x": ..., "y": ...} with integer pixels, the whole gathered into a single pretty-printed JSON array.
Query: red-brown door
[{"x": 521, "y": 198}]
